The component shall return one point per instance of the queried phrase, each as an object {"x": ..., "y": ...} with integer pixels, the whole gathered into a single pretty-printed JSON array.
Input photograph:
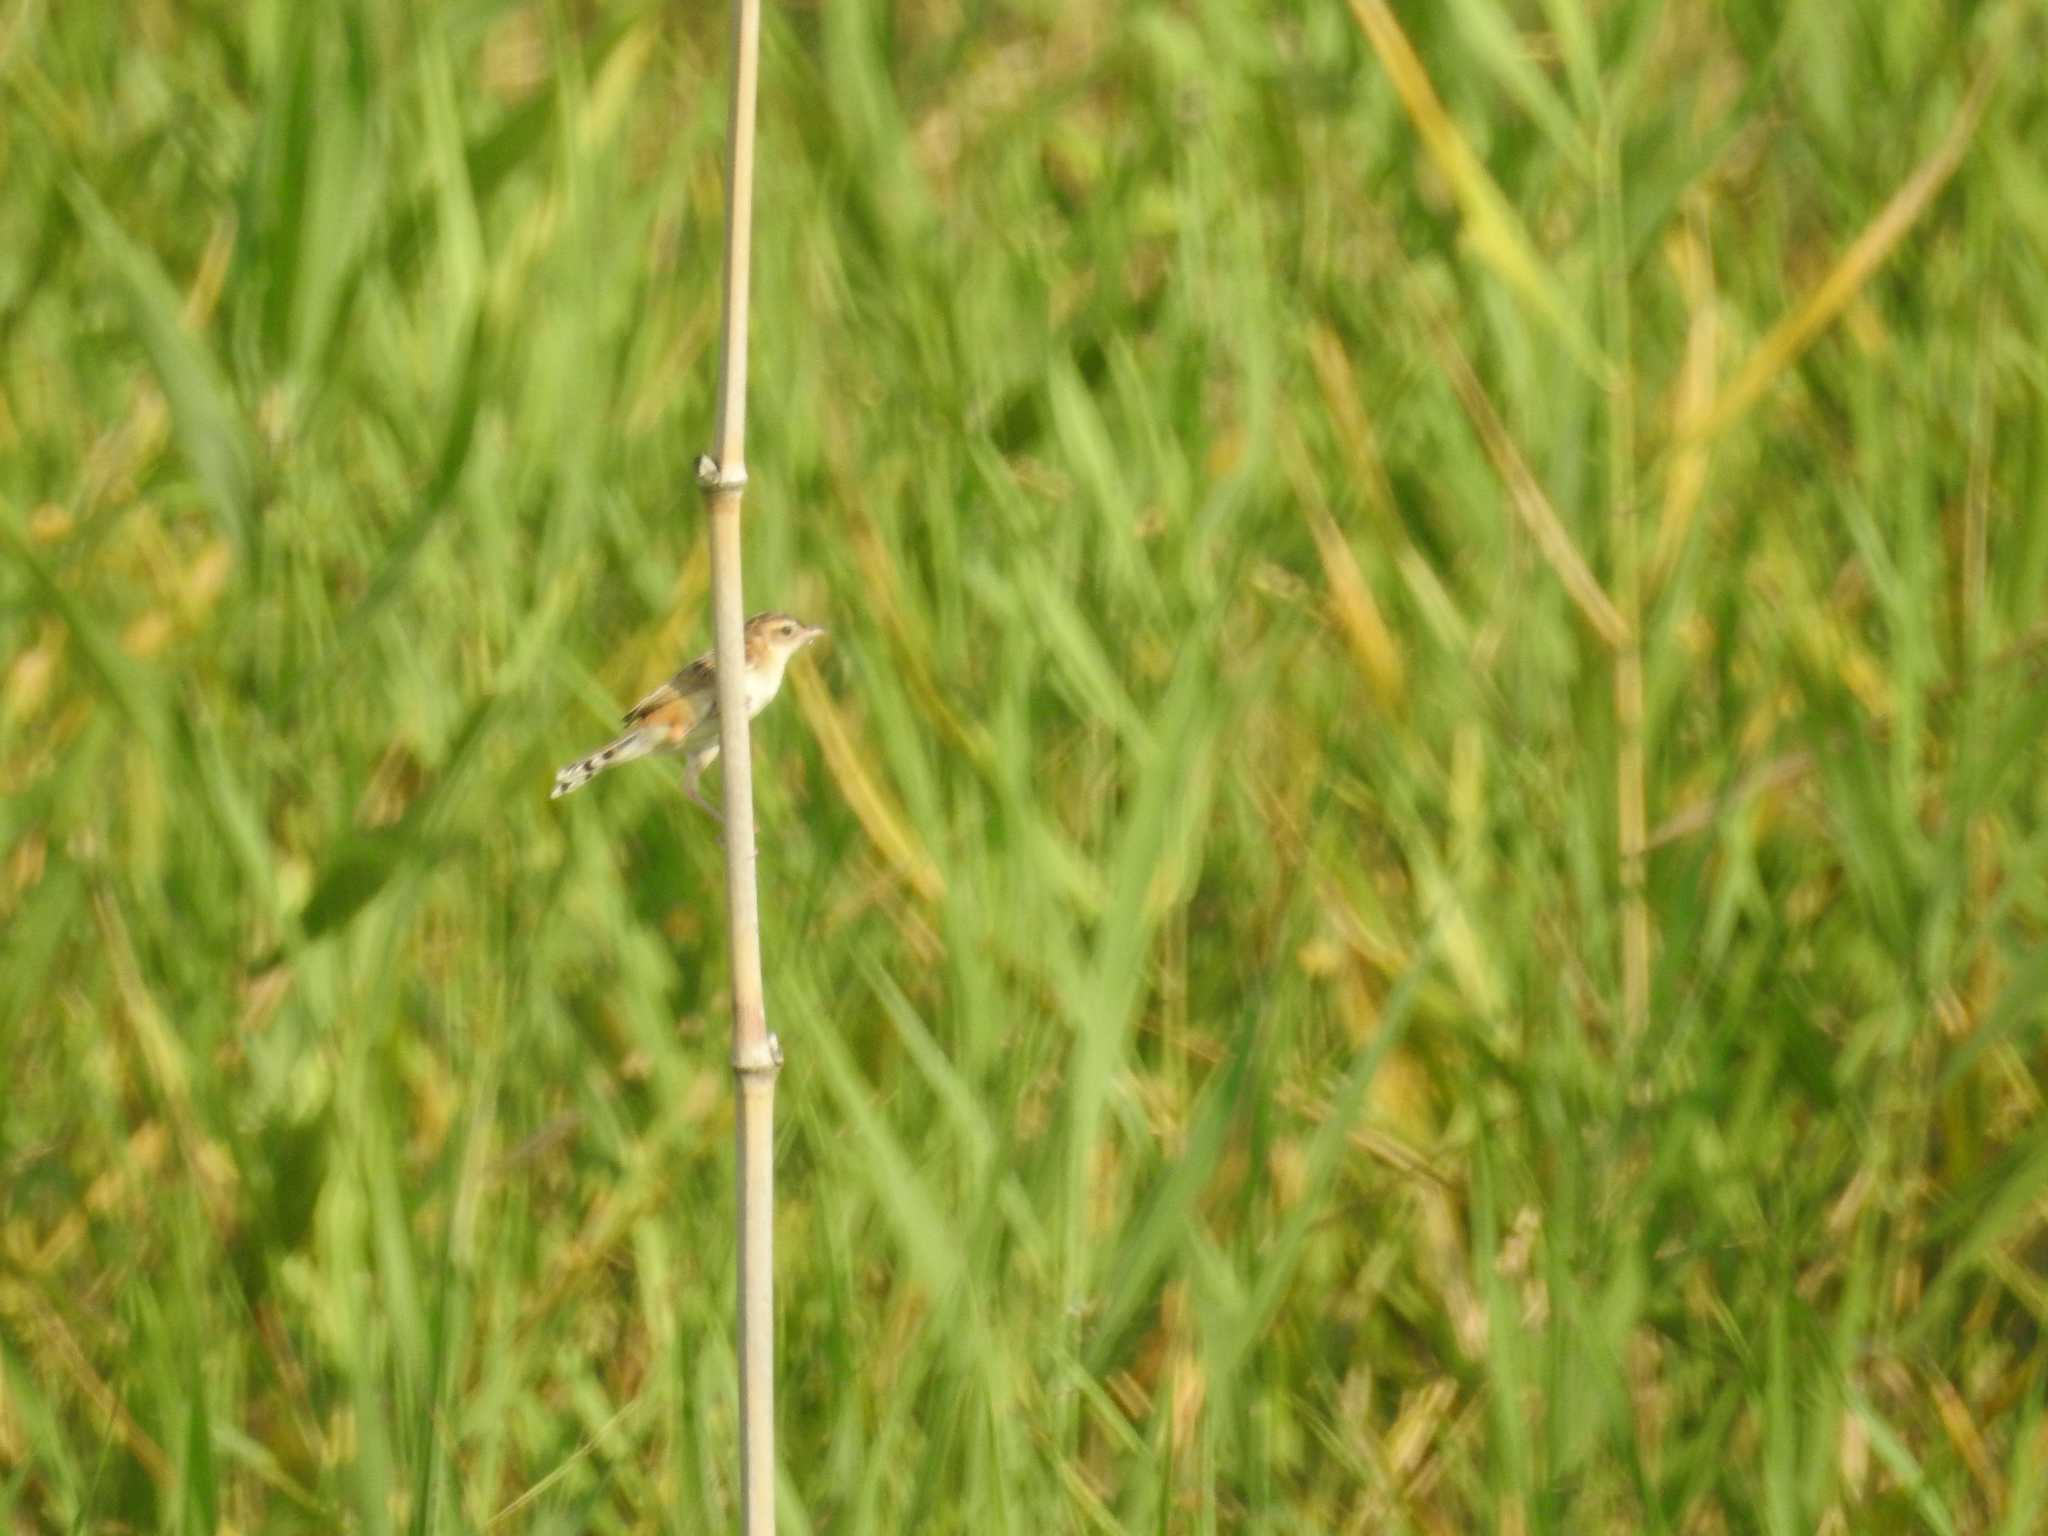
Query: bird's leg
[{"x": 691, "y": 774}]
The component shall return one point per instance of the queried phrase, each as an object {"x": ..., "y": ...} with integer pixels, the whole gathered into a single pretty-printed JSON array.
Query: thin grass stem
[{"x": 1631, "y": 794}]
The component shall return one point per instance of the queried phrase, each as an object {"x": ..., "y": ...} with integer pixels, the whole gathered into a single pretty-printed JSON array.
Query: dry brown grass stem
[{"x": 1525, "y": 495}]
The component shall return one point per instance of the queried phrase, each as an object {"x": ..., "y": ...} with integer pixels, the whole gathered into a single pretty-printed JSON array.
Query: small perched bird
[{"x": 682, "y": 714}]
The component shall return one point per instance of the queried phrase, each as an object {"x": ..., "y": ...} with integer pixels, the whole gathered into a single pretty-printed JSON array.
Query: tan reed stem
[{"x": 755, "y": 1053}]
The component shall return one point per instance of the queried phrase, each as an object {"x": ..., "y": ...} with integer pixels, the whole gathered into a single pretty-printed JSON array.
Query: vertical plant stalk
[
  {"x": 755, "y": 1055},
  {"x": 1631, "y": 797}
]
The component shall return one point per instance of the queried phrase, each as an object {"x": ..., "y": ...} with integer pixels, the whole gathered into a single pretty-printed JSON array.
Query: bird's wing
[{"x": 682, "y": 703}]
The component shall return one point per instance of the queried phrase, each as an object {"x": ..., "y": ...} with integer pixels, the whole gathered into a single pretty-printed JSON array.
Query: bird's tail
[{"x": 637, "y": 742}]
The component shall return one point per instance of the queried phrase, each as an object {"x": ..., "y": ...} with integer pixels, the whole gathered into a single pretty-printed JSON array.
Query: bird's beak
[{"x": 814, "y": 632}]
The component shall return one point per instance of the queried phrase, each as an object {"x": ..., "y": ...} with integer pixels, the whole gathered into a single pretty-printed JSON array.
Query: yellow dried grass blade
[
  {"x": 879, "y": 818},
  {"x": 1693, "y": 393},
  {"x": 1356, "y": 436},
  {"x": 1365, "y": 629},
  {"x": 1491, "y": 226},
  {"x": 1791, "y": 336}
]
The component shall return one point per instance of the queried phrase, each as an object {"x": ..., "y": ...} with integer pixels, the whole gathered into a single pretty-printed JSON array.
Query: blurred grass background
[{"x": 1298, "y": 1019}]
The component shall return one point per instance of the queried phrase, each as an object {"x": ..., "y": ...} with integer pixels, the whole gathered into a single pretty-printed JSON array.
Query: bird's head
[{"x": 772, "y": 638}]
